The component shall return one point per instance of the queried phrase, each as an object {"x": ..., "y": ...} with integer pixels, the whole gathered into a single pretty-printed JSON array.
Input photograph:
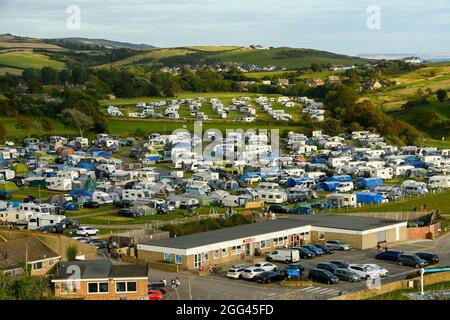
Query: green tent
[{"x": 20, "y": 169}]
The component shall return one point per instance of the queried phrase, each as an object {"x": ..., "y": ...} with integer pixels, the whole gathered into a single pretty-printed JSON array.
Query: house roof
[
  {"x": 343, "y": 222},
  {"x": 31, "y": 249},
  {"x": 99, "y": 269}
]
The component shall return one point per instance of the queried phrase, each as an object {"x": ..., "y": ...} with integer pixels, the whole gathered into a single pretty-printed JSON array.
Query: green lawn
[
  {"x": 400, "y": 294},
  {"x": 28, "y": 59}
]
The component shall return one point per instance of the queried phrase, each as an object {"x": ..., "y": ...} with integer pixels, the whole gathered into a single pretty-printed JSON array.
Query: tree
[
  {"x": 441, "y": 94},
  {"x": 24, "y": 124},
  {"x": 76, "y": 119},
  {"x": 71, "y": 252},
  {"x": 2, "y": 133}
]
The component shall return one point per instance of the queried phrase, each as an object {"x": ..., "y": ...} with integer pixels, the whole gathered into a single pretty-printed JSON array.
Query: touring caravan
[
  {"x": 59, "y": 184},
  {"x": 37, "y": 221},
  {"x": 342, "y": 200},
  {"x": 439, "y": 182},
  {"x": 136, "y": 194},
  {"x": 269, "y": 196},
  {"x": 102, "y": 198},
  {"x": 414, "y": 188}
]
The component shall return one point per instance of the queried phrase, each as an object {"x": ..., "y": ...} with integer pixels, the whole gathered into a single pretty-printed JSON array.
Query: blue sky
[{"x": 413, "y": 26}]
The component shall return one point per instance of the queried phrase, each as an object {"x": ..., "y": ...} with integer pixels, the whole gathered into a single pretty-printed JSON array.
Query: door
[
  {"x": 381, "y": 236},
  {"x": 197, "y": 260},
  {"x": 248, "y": 249}
]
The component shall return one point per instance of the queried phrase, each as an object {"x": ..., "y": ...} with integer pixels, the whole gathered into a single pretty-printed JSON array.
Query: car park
[
  {"x": 411, "y": 260},
  {"x": 87, "y": 231},
  {"x": 338, "y": 245},
  {"x": 347, "y": 275},
  {"x": 323, "y": 276},
  {"x": 235, "y": 273},
  {"x": 269, "y": 277},
  {"x": 429, "y": 257},
  {"x": 99, "y": 243},
  {"x": 82, "y": 239},
  {"x": 251, "y": 272},
  {"x": 266, "y": 266},
  {"x": 304, "y": 253}
]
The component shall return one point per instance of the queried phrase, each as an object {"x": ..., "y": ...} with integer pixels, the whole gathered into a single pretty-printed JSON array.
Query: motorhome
[
  {"x": 102, "y": 198},
  {"x": 136, "y": 194},
  {"x": 37, "y": 221}
]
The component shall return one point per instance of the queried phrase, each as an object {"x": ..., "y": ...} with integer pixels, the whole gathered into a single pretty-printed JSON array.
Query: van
[{"x": 284, "y": 255}]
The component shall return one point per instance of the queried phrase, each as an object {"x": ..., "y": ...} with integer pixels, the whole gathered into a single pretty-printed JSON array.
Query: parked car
[
  {"x": 5, "y": 195},
  {"x": 383, "y": 272},
  {"x": 322, "y": 276},
  {"x": 325, "y": 248},
  {"x": 251, "y": 272},
  {"x": 267, "y": 266},
  {"x": 314, "y": 249},
  {"x": 327, "y": 266},
  {"x": 338, "y": 245},
  {"x": 91, "y": 205},
  {"x": 365, "y": 272},
  {"x": 52, "y": 228},
  {"x": 81, "y": 239},
  {"x": 304, "y": 253},
  {"x": 269, "y": 277},
  {"x": 155, "y": 295},
  {"x": 429, "y": 257},
  {"x": 390, "y": 255},
  {"x": 70, "y": 223},
  {"x": 124, "y": 204},
  {"x": 347, "y": 275},
  {"x": 99, "y": 243},
  {"x": 131, "y": 213},
  {"x": 279, "y": 209},
  {"x": 87, "y": 231},
  {"x": 235, "y": 273},
  {"x": 159, "y": 286},
  {"x": 411, "y": 260},
  {"x": 302, "y": 210},
  {"x": 342, "y": 264},
  {"x": 297, "y": 266}
]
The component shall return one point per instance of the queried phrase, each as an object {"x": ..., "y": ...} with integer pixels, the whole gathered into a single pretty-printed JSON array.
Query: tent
[
  {"x": 318, "y": 161},
  {"x": 66, "y": 152},
  {"x": 329, "y": 186},
  {"x": 57, "y": 199},
  {"x": 69, "y": 206},
  {"x": 20, "y": 169},
  {"x": 8, "y": 186},
  {"x": 369, "y": 197},
  {"x": 80, "y": 193},
  {"x": 368, "y": 183},
  {"x": 292, "y": 182},
  {"x": 415, "y": 164},
  {"x": 343, "y": 178}
]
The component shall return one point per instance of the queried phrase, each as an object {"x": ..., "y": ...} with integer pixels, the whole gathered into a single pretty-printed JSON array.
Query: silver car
[{"x": 338, "y": 245}]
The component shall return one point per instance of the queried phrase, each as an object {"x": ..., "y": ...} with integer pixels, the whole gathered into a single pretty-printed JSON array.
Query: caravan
[
  {"x": 102, "y": 198},
  {"x": 59, "y": 184},
  {"x": 269, "y": 196},
  {"x": 439, "y": 182},
  {"x": 414, "y": 188},
  {"x": 342, "y": 200}
]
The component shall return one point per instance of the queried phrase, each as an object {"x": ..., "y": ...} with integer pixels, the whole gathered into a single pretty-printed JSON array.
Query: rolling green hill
[
  {"x": 281, "y": 57},
  {"x": 28, "y": 59}
]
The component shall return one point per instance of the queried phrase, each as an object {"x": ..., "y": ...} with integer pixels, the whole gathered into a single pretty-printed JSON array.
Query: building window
[
  {"x": 98, "y": 287},
  {"x": 306, "y": 236},
  {"x": 126, "y": 286},
  {"x": 51, "y": 262},
  {"x": 167, "y": 257},
  {"x": 233, "y": 251},
  {"x": 238, "y": 249},
  {"x": 205, "y": 256},
  {"x": 37, "y": 265},
  {"x": 216, "y": 254},
  {"x": 224, "y": 252}
]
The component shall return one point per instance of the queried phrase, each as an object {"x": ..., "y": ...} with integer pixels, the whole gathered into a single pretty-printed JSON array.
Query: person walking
[
  {"x": 177, "y": 283},
  {"x": 378, "y": 247},
  {"x": 173, "y": 284}
]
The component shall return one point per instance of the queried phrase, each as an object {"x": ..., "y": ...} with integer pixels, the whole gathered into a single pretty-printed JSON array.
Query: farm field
[
  {"x": 5, "y": 70},
  {"x": 28, "y": 59}
]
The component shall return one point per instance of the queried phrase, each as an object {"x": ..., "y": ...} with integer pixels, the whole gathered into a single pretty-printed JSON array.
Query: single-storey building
[
  {"x": 100, "y": 280},
  {"x": 235, "y": 243}
]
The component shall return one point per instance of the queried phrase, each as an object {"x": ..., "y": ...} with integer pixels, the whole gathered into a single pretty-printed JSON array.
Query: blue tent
[
  {"x": 86, "y": 165},
  {"x": 368, "y": 197},
  {"x": 69, "y": 206},
  {"x": 415, "y": 164},
  {"x": 343, "y": 178},
  {"x": 246, "y": 175},
  {"x": 292, "y": 182},
  {"x": 154, "y": 157},
  {"x": 368, "y": 183},
  {"x": 318, "y": 161},
  {"x": 102, "y": 154},
  {"x": 329, "y": 186},
  {"x": 77, "y": 193}
]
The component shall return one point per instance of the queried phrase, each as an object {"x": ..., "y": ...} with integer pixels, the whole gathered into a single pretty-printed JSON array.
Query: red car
[{"x": 155, "y": 295}]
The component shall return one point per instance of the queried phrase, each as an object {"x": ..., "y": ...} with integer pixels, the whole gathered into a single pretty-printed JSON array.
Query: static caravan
[
  {"x": 268, "y": 196},
  {"x": 439, "y": 182},
  {"x": 59, "y": 184},
  {"x": 342, "y": 200}
]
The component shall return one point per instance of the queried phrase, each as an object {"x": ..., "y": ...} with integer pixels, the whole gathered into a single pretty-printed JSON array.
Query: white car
[
  {"x": 235, "y": 273},
  {"x": 251, "y": 272},
  {"x": 382, "y": 271},
  {"x": 266, "y": 266},
  {"x": 87, "y": 231},
  {"x": 364, "y": 271}
]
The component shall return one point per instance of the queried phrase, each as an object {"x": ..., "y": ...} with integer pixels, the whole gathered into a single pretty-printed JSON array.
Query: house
[
  {"x": 100, "y": 280},
  {"x": 372, "y": 85},
  {"x": 15, "y": 254},
  {"x": 283, "y": 82},
  {"x": 315, "y": 82}
]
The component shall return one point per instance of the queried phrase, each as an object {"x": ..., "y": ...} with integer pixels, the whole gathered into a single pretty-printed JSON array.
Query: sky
[{"x": 341, "y": 26}]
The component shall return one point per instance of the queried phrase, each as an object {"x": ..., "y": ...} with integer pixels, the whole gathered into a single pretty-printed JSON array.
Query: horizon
[{"x": 349, "y": 27}]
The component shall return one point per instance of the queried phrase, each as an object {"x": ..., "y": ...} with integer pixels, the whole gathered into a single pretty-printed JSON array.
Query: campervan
[
  {"x": 37, "y": 221},
  {"x": 59, "y": 184}
]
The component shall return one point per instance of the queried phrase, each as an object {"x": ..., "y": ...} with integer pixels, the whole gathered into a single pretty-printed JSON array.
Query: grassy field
[
  {"x": 439, "y": 201},
  {"x": 28, "y": 59},
  {"x": 5, "y": 70},
  {"x": 400, "y": 294}
]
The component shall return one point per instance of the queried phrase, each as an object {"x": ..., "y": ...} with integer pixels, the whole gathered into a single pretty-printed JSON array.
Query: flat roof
[{"x": 343, "y": 222}]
